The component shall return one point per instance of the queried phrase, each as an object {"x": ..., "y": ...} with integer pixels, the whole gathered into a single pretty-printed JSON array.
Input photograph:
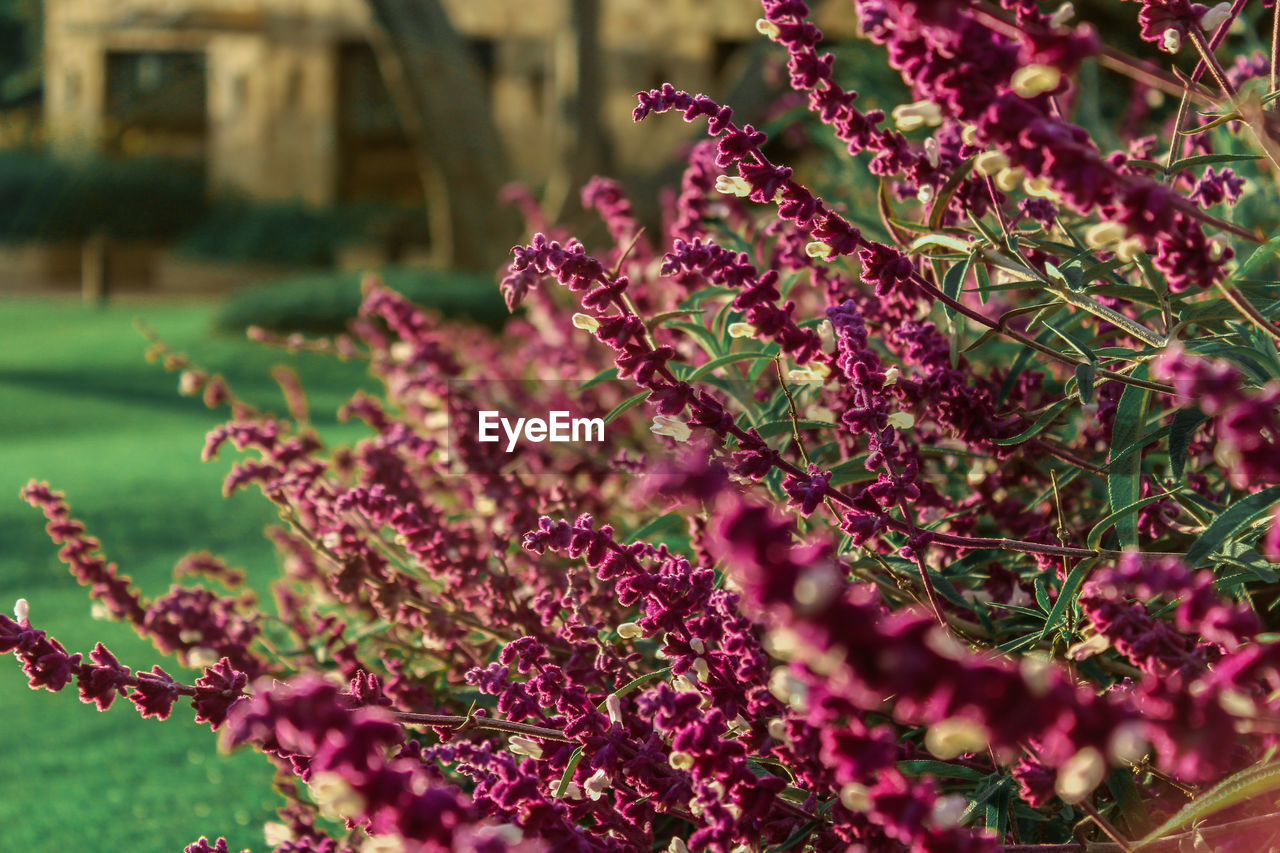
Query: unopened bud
[{"x": 21, "y": 610}]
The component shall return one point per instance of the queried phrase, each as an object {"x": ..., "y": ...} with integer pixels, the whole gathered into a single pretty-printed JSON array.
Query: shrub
[
  {"x": 44, "y": 198},
  {"x": 294, "y": 234},
  {"x": 323, "y": 302},
  {"x": 951, "y": 528}
]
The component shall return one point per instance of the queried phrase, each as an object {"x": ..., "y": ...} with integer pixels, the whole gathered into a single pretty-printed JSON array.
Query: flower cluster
[{"x": 935, "y": 513}]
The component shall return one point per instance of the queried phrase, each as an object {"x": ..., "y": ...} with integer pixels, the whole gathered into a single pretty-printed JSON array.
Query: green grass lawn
[{"x": 81, "y": 408}]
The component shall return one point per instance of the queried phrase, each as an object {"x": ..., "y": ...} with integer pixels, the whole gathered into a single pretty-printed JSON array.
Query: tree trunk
[
  {"x": 440, "y": 96},
  {"x": 581, "y": 143}
]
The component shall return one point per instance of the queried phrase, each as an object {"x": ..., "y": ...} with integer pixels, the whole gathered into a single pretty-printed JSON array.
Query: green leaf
[
  {"x": 654, "y": 525},
  {"x": 717, "y": 363},
  {"x": 602, "y": 376},
  {"x": 1242, "y": 512},
  {"x": 948, "y": 190},
  {"x": 1124, "y": 477},
  {"x": 704, "y": 338},
  {"x": 784, "y": 426},
  {"x": 1046, "y": 417},
  {"x": 1067, "y": 595},
  {"x": 943, "y": 240},
  {"x": 1084, "y": 381},
  {"x": 941, "y": 769},
  {"x": 707, "y": 293},
  {"x": 1209, "y": 160},
  {"x": 1260, "y": 257},
  {"x": 658, "y": 319},
  {"x": 567, "y": 776},
  {"x": 576, "y": 757},
  {"x": 1185, "y": 422},
  {"x": 1236, "y": 788},
  {"x": 628, "y": 403},
  {"x": 952, "y": 281},
  {"x": 984, "y": 283},
  {"x": 1095, "y": 535}
]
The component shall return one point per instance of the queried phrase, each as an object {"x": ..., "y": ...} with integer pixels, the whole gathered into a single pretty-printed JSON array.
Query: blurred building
[{"x": 283, "y": 98}]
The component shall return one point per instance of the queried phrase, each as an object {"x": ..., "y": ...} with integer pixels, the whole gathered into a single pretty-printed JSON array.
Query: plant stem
[
  {"x": 467, "y": 723},
  {"x": 1242, "y": 304}
]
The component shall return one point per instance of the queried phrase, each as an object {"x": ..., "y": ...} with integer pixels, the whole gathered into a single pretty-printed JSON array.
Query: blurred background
[{"x": 207, "y": 164}]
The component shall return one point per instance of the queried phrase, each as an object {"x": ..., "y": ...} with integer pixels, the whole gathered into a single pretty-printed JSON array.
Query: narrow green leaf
[
  {"x": 1242, "y": 512},
  {"x": 984, "y": 283},
  {"x": 602, "y": 376},
  {"x": 1099, "y": 530},
  {"x": 567, "y": 776},
  {"x": 948, "y": 190},
  {"x": 628, "y": 403},
  {"x": 731, "y": 358},
  {"x": 1084, "y": 381},
  {"x": 1047, "y": 417},
  {"x": 651, "y": 526},
  {"x": 943, "y": 240},
  {"x": 952, "y": 282},
  {"x": 941, "y": 769},
  {"x": 658, "y": 319},
  {"x": 704, "y": 338},
  {"x": 784, "y": 426},
  {"x": 1185, "y": 422},
  {"x": 1125, "y": 475},
  {"x": 1209, "y": 160},
  {"x": 1237, "y": 788},
  {"x": 1259, "y": 258},
  {"x": 1067, "y": 595}
]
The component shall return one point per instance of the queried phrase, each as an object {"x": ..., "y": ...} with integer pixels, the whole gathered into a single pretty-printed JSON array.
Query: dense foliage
[{"x": 944, "y": 529}]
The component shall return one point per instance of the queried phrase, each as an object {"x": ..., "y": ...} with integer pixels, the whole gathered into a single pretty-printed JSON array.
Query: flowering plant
[{"x": 957, "y": 535}]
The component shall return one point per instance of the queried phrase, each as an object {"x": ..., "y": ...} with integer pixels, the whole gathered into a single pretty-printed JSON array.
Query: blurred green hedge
[
  {"x": 47, "y": 198},
  {"x": 44, "y": 198},
  {"x": 324, "y": 302}
]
